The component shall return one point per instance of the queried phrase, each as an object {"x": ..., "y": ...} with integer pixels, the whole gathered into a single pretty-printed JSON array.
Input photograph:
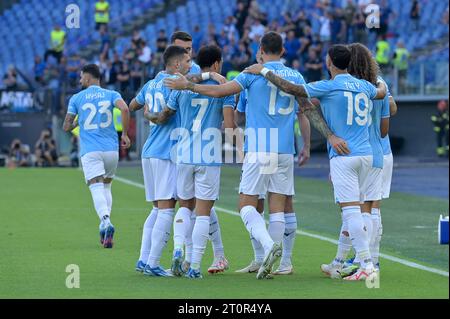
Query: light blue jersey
[
  {"x": 345, "y": 107},
  {"x": 94, "y": 107},
  {"x": 195, "y": 69},
  {"x": 201, "y": 117},
  {"x": 242, "y": 104},
  {"x": 385, "y": 113},
  {"x": 270, "y": 113},
  {"x": 155, "y": 94},
  {"x": 379, "y": 110}
]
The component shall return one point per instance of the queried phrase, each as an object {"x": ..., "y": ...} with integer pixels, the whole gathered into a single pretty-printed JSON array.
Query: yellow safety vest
[
  {"x": 117, "y": 116},
  {"x": 102, "y": 17},
  {"x": 57, "y": 38},
  {"x": 76, "y": 131},
  {"x": 383, "y": 49},
  {"x": 401, "y": 58},
  {"x": 232, "y": 74}
]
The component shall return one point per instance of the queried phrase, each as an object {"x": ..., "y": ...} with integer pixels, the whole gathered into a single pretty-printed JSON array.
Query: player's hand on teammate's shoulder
[
  {"x": 254, "y": 69},
  {"x": 178, "y": 83},
  {"x": 218, "y": 77},
  {"x": 339, "y": 145},
  {"x": 125, "y": 141}
]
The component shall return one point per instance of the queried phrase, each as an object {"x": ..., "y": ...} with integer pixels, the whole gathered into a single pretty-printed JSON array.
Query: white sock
[
  {"x": 160, "y": 235},
  {"x": 200, "y": 236},
  {"x": 188, "y": 242},
  {"x": 276, "y": 226},
  {"x": 215, "y": 235},
  {"x": 290, "y": 232},
  {"x": 360, "y": 241},
  {"x": 181, "y": 226},
  {"x": 367, "y": 218},
  {"x": 376, "y": 235},
  {"x": 147, "y": 234},
  {"x": 344, "y": 245},
  {"x": 258, "y": 249},
  {"x": 257, "y": 227},
  {"x": 98, "y": 196},
  {"x": 108, "y": 196}
]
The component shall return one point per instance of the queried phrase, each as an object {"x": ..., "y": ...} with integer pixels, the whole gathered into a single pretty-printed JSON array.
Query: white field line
[{"x": 322, "y": 238}]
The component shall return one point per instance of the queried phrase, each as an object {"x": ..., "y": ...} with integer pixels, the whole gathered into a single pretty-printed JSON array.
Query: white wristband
[
  {"x": 206, "y": 76},
  {"x": 264, "y": 71}
]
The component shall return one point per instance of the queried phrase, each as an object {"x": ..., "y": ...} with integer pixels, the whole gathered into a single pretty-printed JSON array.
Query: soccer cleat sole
[
  {"x": 269, "y": 261},
  {"x": 109, "y": 234},
  {"x": 176, "y": 268}
]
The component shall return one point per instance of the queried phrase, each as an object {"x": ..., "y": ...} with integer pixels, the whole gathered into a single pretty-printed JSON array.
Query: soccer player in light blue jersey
[
  {"x": 364, "y": 66},
  {"x": 345, "y": 103},
  {"x": 199, "y": 157},
  {"x": 98, "y": 141},
  {"x": 269, "y": 144},
  {"x": 158, "y": 169}
]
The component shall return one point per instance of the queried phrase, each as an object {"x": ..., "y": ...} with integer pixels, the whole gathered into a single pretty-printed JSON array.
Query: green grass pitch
[{"x": 48, "y": 222}]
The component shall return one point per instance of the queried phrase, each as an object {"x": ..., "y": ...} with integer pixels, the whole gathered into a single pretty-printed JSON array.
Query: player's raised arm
[
  {"x": 197, "y": 78},
  {"x": 182, "y": 83},
  {"x": 381, "y": 91},
  {"x": 392, "y": 106},
  {"x": 316, "y": 119},
  {"x": 282, "y": 84},
  {"x": 123, "y": 107}
]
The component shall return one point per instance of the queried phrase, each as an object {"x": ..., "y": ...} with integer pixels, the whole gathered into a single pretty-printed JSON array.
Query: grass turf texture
[{"x": 48, "y": 222}]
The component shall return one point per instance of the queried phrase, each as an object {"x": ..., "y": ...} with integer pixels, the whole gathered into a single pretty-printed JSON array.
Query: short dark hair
[
  {"x": 272, "y": 43},
  {"x": 180, "y": 35},
  {"x": 93, "y": 70},
  {"x": 208, "y": 55},
  {"x": 340, "y": 55},
  {"x": 173, "y": 51}
]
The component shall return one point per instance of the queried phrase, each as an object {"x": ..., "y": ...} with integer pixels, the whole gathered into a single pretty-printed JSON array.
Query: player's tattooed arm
[
  {"x": 69, "y": 122},
  {"x": 286, "y": 86},
  {"x": 159, "y": 117},
  {"x": 197, "y": 78},
  {"x": 282, "y": 84},
  {"x": 316, "y": 119},
  {"x": 135, "y": 106}
]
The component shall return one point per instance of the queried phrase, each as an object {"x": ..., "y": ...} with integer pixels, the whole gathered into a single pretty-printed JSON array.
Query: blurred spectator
[
  {"x": 197, "y": 38},
  {"x": 362, "y": 4},
  {"x": 137, "y": 38},
  {"x": 222, "y": 39},
  {"x": 124, "y": 78},
  {"x": 101, "y": 14},
  {"x": 240, "y": 14},
  {"x": 45, "y": 150},
  {"x": 359, "y": 28},
  {"x": 19, "y": 155},
  {"x": 136, "y": 75},
  {"x": 385, "y": 17},
  {"x": 325, "y": 26},
  {"x": 257, "y": 29},
  {"x": 242, "y": 57},
  {"x": 10, "y": 79},
  {"x": 415, "y": 14},
  {"x": 105, "y": 42},
  {"x": 58, "y": 39},
  {"x": 253, "y": 48},
  {"x": 145, "y": 53},
  {"x": 254, "y": 11},
  {"x": 401, "y": 56},
  {"x": 39, "y": 69},
  {"x": 296, "y": 65},
  {"x": 292, "y": 46},
  {"x": 383, "y": 53},
  {"x": 131, "y": 54},
  {"x": 441, "y": 122},
  {"x": 314, "y": 66},
  {"x": 349, "y": 15},
  {"x": 161, "y": 41},
  {"x": 229, "y": 27}
]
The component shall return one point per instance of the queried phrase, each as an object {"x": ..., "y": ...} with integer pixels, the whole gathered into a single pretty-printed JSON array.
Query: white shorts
[
  {"x": 354, "y": 179},
  {"x": 160, "y": 179},
  {"x": 202, "y": 182},
  {"x": 259, "y": 177},
  {"x": 388, "y": 166},
  {"x": 96, "y": 164}
]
